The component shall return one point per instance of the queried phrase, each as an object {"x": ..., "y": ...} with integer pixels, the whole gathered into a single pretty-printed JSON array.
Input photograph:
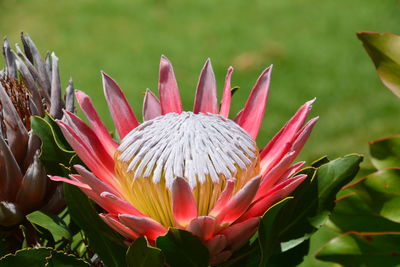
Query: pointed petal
[
  {"x": 69, "y": 97},
  {"x": 30, "y": 77},
  {"x": 143, "y": 226},
  {"x": 32, "y": 191},
  {"x": 69, "y": 181},
  {"x": 227, "y": 95},
  {"x": 253, "y": 112},
  {"x": 279, "y": 143},
  {"x": 17, "y": 135},
  {"x": 203, "y": 227},
  {"x": 206, "y": 92},
  {"x": 11, "y": 70},
  {"x": 93, "y": 193},
  {"x": 56, "y": 104},
  {"x": 239, "y": 233},
  {"x": 239, "y": 203},
  {"x": 121, "y": 205},
  {"x": 276, "y": 194},
  {"x": 119, "y": 227},
  {"x": 168, "y": 88},
  {"x": 86, "y": 154},
  {"x": 303, "y": 135},
  {"x": 291, "y": 171},
  {"x": 224, "y": 198},
  {"x": 48, "y": 65},
  {"x": 11, "y": 174},
  {"x": 90, "y": 138},
  {"x": 151, "y": 106},
  {"x": 273, "y": 176},
  {"x": 122, "y": 114},
  {"x": 32, "y": 51},
  {"x": 183, "y": 203},
  {"x": 94, "y": 119},
  {"x": 95, "y": 183}
]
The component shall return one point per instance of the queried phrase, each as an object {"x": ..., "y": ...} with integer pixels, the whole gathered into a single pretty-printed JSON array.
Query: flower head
[
  {"x": 29, "y": 86},
  {"x": 195, "y": 170}
]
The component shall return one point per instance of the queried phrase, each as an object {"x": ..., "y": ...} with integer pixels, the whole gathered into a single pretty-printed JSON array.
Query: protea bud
[{"x": 29, "y": 85}]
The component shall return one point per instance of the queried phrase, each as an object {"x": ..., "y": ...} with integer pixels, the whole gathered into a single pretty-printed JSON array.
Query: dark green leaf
[
  {"x": 385, "y": 153},
  {"x": 366, "y": 250},
  {"x": 140, "y": 254},
  {"x": 314, "y": 199},
  {"x": 291, "y": 257},
  {"x": 53, "y": 224},
  {"x": 106, "y": 242},
  {"x": 384, "y": 50},
  {"x": 268, "y": 231},
  {"x": 39, "y": 257},
  {"x": 182, "y": 249}
]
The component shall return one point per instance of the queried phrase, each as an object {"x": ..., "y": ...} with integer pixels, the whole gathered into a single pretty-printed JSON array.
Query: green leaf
[
  {"x": 56, "y": 152},
  {"x": 315, "y": 198},
  {"x": 384, "y": 50},
  {"x": 290, "y": 258},
  {"x": 267, "y": 231},
  {"x": 106, "y": 242},
  {"x": 356, "y": 249},
  {"x": 370, "y": 218},
  {"x": 182, "y": 249},
  {"x": 140, "y": 254},
  {"x": 39, "y": 257},
  {"x": 53, "y": 224},
  {"x": 385, "y": 153},
  {"x": 373, "y": 204}
]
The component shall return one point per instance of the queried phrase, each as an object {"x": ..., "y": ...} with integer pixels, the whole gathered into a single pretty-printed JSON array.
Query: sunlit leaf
[
  {"x": 53, "y": 224},
  {"x": 385, "y": 153},
  {"x": 367, "y": 250},
  {"x": 55, "y": 152},
  {"x": 384, "y": 50}
]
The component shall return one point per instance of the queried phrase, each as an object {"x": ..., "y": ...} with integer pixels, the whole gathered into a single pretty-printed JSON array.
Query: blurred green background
[{"x": 311, "y": 43}]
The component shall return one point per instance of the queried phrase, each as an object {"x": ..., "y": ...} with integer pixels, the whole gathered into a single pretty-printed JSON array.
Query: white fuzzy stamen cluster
[{"x": 187, "y": 145}]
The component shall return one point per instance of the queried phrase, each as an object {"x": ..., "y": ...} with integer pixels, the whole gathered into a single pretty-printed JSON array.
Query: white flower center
[{"x": 187, "y": 145}]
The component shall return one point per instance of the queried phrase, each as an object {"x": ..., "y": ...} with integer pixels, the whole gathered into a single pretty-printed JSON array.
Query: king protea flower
[
  {"x": 194, "y": 170},
  {"x": 29, "y": 86}
]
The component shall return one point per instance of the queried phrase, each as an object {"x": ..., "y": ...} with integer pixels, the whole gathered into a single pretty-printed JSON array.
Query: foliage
[
  {"x": 367, "y": 217},
  {"x": 39, "y": 257},
  {"x": 384, "y": 50}
]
